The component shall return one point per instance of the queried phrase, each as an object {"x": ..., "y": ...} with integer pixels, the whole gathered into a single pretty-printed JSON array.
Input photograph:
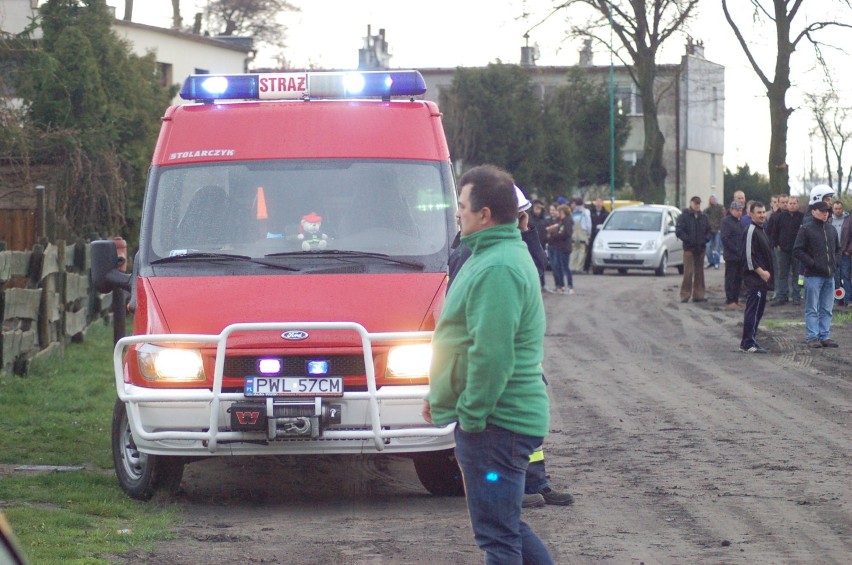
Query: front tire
[
  {"x": 664, "y": 264},
  {"x": 439, "y": 472},
  {"x": 141, "y": 475},
  {"x": 597, "y": 270}
]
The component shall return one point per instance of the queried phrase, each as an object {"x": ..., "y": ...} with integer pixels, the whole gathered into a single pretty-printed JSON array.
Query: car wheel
[
  {"x": 439, "y": 472},
  {"x": 139, "y": 474},
  {"x": 622, "y": 271},
  {"x": 664, "y": 264},
  {"x": 680, "y": 269},
  {"x": 597, "y": 270}
]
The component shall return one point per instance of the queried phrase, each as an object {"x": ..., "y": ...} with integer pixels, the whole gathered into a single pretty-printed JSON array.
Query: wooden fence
[{"x": 46, "y": 300}]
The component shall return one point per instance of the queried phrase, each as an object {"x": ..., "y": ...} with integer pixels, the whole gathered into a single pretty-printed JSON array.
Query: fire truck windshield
[{"x": 401, "y": 209}]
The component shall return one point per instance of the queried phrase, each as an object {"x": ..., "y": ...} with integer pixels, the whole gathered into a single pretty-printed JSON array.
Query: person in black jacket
[
  {"x": 818, "y": 250},
  {"x": 785, "y": 228},
  {"x": 599, "y": 214},
  {"x": 757, "y": 276},
  {"x": 693, "y": 229},
  {"x": 731, "y": 232}
]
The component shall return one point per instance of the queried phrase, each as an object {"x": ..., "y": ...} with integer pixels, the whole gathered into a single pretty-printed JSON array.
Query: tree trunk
[
  {"x": 177, "y": 21},
  {"x": 779, "y": 113},
  {"x": 649, "y": 178}
]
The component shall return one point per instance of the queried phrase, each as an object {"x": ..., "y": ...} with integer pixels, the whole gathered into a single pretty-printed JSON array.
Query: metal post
[{"x": 611, "y": 119}]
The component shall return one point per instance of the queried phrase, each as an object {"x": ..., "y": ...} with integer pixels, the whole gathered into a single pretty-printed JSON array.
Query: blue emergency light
[{"x": 303, "y": 85}]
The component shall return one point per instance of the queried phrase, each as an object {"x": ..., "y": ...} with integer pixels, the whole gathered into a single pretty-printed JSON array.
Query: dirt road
[{"x": 678, "y": 448}]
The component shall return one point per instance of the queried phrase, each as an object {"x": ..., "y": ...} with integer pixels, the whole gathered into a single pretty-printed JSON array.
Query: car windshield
[
  {"x": 281, "y": 209},
  {"x": 634, "y": 220}
]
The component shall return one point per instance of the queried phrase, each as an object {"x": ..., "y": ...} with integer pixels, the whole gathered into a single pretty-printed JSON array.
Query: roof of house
[{"x": 241, "y": 44}]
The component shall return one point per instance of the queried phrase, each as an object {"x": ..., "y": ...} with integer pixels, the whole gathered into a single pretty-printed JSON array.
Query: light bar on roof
[{"x": 303, "y": 85}]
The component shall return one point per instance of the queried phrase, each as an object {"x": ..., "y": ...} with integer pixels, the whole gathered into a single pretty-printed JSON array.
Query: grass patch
[{"x": 61, "y": 414}]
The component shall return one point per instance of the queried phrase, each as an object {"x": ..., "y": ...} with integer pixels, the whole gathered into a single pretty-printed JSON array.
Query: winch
[{"x": 285, "y": 418}]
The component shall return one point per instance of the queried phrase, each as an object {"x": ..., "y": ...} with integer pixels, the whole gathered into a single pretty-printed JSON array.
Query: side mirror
[
  {"x": 106, "y": 275},
  {"x": 671, "y": 229}
]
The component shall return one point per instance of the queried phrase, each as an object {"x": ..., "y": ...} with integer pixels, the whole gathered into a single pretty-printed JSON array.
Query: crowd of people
[
  {"x": 566, "y": 229},
  {"x": 795, "y": 255}
]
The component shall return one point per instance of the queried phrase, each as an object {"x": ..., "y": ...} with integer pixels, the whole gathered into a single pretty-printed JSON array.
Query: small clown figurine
[{"x": 310, "y": 235}]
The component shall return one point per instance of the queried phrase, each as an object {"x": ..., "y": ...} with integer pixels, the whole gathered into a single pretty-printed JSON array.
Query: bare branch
[{"x": 760, "y": 74}]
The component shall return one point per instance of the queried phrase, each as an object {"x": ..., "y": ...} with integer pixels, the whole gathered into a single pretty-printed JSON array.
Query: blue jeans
[
  {"x": 714, "y": 249},
  {"x": 819, "y": 302},
  {"x": 494, "y": 463},
  {"x": 846, "y": 274},
  {"x": 561, "y": 265},
  {"x": 787, "y": 277}
]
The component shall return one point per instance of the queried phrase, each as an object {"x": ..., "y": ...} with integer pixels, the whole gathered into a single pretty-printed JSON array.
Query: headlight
[
  {"x": 409, "y": 360},
  {"x": 599, "y": 244},
  {"x": 169, "y": 364},
  {"x": 649, "y": 245}
]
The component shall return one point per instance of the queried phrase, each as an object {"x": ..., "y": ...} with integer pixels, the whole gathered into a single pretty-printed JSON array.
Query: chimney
[
  {"x": 529, "y": 55},
  {"x": 374, "y": 54},
  {"x": 695, "y": 48}
]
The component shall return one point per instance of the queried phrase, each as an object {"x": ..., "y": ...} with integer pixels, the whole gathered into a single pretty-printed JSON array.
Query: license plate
[
  {"x": 621, "y": 257},
  {"x": 293, "y": 386}
]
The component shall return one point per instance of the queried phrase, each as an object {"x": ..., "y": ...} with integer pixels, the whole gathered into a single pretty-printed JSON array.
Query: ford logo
[{"x": 295, "y": 335}]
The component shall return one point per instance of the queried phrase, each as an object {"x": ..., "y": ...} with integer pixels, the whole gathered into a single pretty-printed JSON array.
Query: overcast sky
[{"x": 450, "y": 33}]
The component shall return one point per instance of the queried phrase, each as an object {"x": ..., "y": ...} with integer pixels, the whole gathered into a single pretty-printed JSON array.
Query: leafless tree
[
  {"x": 256, "y": 18},
  {"x": 642, "y": 27},
  {"x": 781, "y": 13},
  {"x": 834, "y": 124}
]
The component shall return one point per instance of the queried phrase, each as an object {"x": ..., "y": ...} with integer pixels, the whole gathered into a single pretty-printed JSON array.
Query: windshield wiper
[
  {"x": 220, "y": 257},
  {"x": 320, "y": 252}
]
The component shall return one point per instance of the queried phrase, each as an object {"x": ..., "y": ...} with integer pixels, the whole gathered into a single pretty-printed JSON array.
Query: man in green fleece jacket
[{"x": 486, "y": 367}]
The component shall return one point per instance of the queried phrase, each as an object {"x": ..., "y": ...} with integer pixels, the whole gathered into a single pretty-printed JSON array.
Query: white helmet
[
  {"x": 819, "y": 192},
  {"x": 523, "y": 203}
]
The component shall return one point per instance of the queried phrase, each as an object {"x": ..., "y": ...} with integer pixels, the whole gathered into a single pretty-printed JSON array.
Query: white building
[{"x": 179, "y": 54}]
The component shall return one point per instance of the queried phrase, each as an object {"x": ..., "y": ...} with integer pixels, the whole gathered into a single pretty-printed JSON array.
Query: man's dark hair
[
  {"x": 695, "y": 199},
  {"x": 494, "y": 188},
  {"x": 755, "y": 204}
]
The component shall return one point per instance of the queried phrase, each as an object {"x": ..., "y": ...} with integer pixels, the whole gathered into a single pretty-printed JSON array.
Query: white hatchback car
[{"x": 638, "y": 237}]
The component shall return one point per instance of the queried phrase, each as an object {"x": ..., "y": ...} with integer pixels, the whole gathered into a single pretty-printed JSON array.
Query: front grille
[
  {"x": 623, "y": 261},
  {"x": 296, "y": 366},
  {"x": 623, "y": 245}
]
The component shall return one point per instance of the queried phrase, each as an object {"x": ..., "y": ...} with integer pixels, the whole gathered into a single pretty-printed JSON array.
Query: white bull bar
[{"x": 216, "y": 396}]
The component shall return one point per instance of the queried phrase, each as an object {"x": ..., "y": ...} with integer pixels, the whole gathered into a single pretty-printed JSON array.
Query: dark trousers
[
  {"x": 733, "y": 281},
  {"x": 755, "y": 304}
]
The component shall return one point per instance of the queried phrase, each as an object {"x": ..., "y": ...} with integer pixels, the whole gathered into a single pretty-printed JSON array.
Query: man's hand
[
  {"x": 426, "y": 412},
  {"x": 523, "y": 221}
]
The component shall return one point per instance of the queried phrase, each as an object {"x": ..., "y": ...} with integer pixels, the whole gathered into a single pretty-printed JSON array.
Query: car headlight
[
  {"x": 409, "y": 360},
  {"x": 649, "y": 245},
  {"x": 599, "y": 244},
  {"x": 170, "y": 364}
]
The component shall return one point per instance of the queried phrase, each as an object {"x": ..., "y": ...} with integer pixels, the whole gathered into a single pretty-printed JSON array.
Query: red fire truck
[{"x": 292, "y": 263}]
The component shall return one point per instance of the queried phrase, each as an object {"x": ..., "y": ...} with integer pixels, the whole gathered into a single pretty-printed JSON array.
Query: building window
[
  {"x": 165, "y": 74},
  {"x": 628, "y": 100}
]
